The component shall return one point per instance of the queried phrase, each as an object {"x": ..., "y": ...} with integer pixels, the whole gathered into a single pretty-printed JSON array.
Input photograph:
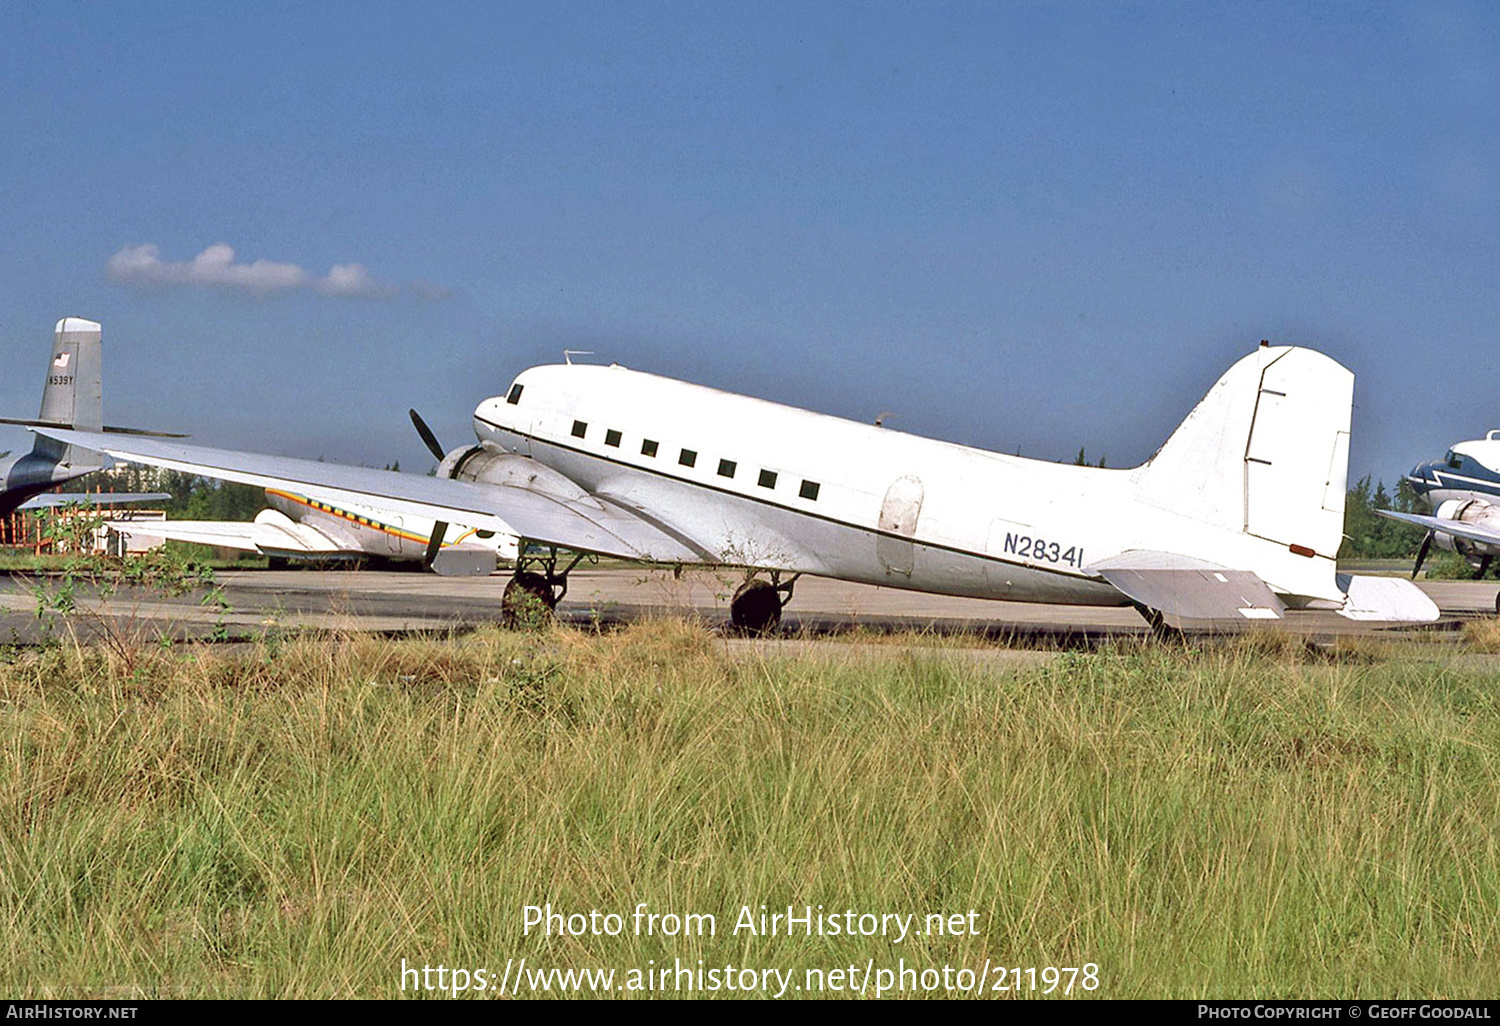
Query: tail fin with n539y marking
[{"x": 72, "y": 396}]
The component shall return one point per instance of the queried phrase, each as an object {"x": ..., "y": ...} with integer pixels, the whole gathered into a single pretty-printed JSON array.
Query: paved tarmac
[{"x": 395, "y": 602}]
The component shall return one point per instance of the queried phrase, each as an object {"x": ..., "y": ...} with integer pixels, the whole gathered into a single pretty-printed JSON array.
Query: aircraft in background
[
  {"x": 299, "y": 527},
  {"x": 1236, "y": 518},
  {"x": 73, "y": 396},
  {"x": 1463, "y": 491}
]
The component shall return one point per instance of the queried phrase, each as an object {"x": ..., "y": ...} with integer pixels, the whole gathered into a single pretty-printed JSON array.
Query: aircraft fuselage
[{"x": 774, "y": 486}]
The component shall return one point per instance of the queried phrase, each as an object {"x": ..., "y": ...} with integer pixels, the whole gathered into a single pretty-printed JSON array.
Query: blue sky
[{"x": 1029, "y": 227}]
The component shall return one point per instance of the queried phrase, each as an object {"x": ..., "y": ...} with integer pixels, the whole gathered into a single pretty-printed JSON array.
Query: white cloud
[
  {"x": 215, "y": 267},
  {"x": 352, "y": 280}
]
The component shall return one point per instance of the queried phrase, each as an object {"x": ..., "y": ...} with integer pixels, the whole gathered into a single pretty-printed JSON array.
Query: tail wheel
[
  {"x": 528, "y": 602},
  {"x": 756, "y": 607}
]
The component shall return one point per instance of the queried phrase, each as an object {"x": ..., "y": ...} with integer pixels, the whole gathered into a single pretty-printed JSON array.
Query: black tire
[
  {"x": 528, "y": 602},
  {"x": 756, "y": 607}
]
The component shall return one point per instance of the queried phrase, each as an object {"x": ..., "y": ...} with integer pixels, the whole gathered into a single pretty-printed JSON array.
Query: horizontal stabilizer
[
  {"x": 1385, "y": 598},
  {"x": 52, "y": 500},
  {"x": 108, "y": 428},
  {"x": 1189, "y": 589}
]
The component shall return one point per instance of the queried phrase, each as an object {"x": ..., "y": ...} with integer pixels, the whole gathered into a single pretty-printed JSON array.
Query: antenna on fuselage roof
[{"x": 568, "y": 354}]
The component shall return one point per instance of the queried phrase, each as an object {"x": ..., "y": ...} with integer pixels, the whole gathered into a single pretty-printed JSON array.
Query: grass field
[{"x": 1232, "y": 819}]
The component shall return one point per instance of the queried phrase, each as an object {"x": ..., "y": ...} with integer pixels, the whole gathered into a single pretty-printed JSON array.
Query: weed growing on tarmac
[
  {"x": 90, "y": 598},
  {"x": 1236, "y": 818}
]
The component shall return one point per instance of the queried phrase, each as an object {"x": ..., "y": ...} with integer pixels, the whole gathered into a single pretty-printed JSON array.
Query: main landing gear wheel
[
  {"x": 529, "y": 601},
  {"x": 756, "y": 606}
]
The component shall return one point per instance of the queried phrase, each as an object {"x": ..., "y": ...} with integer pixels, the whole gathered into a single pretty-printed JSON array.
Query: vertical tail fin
[
  {"x": 1265, "y": 453},
  {"x": 74, "y": 393},
  {"x": 74, "y": 390}
]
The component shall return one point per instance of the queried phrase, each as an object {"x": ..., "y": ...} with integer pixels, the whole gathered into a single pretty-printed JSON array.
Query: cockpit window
[
  {"x": 515, "y": 393},
  {"x": 1453, "y": 459}
]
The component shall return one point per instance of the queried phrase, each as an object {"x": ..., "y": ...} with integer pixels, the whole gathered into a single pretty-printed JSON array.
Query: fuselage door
[{"x": 898, "y": 524}]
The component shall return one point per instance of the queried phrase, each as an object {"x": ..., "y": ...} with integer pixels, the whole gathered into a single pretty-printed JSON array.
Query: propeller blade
[
  {"x": 1484, "y": 567},
  {"x": 434, "y": 544},
  {"x": 1421, "y": 555},
  {"x": 428, "y": 438}
]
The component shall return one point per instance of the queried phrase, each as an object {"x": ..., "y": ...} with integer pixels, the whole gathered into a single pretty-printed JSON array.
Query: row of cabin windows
[{"x": 688, "y": 457}]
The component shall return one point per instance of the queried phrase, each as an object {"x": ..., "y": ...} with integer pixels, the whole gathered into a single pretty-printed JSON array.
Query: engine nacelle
[
  {"x": 1468, "y": 511},
  {"x": 483, "y": 465}
]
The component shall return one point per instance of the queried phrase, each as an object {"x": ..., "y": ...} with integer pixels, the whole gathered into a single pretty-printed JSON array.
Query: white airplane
[
  {"x": 1463, "y": 492},
  {"x": 297, "y": 526},
  {"x": 1236, "y": 518}
]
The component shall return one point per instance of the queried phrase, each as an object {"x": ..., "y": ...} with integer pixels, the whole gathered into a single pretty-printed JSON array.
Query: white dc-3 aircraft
[
  {"x": 1236, "y": 518},
  {"x": 1462, "y": 489}
]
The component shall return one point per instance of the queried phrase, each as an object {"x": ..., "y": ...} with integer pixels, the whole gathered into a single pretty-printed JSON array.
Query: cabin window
[
  {"x": 515, "y": 393},
  {"x": 688, "y": 458},
  {"x": 1453, "y": 460},
  {"x": 767, "y": 479},
  {"x": 726, "y": 468},
  {"x": 648, "y": 448},
  {"x": 612, "y": 438},
  {"x": 809, "y": 490},
  {"x": 579, "y": 429}
]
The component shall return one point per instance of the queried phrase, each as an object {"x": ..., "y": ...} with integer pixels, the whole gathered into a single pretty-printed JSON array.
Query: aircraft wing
[
  {"x": 51, "y": 500},
  {"x": 585, "y": 523},
  {"x": 274, "y": 535},
  {"x": 1457, "y": 528}
]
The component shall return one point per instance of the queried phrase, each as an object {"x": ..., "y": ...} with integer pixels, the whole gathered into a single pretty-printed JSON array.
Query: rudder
[{"x": 1265, "y": 453}]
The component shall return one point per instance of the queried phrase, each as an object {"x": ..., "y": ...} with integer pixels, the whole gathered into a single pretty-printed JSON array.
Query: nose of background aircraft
[{"x": 1423, "y": 477}]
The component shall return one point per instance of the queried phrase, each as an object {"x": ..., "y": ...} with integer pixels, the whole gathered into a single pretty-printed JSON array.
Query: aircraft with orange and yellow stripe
[{"x": 303, "y": 528}]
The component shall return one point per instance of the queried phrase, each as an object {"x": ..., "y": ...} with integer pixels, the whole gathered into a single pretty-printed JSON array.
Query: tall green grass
[{"x": 1241, "y": 819}]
